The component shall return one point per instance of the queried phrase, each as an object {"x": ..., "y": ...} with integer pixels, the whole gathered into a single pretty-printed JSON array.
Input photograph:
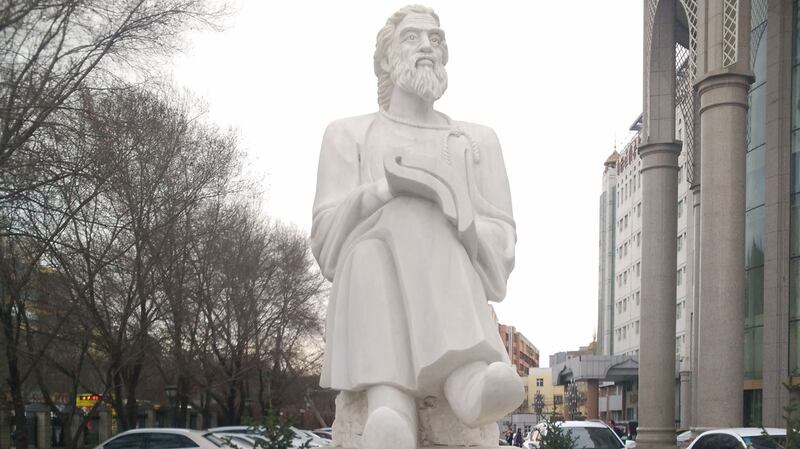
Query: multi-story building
[
  {"x": 540, "y": 381},
  {"x": 521, "y": 351},
  {"x": 619, "y": 303},
  {"x": 620, "y": 267},
  {"x": 733, "y": 114}
]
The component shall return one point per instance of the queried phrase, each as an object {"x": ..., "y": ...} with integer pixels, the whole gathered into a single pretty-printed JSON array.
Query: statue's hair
[{"x": 383, "y": 44}]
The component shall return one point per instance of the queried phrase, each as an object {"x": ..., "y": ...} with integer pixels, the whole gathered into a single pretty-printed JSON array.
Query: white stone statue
[{"x": 412, "y": 223}]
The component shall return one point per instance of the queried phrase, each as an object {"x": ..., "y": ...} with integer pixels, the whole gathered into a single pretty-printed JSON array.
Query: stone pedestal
[{"x": 437, "y": 424}]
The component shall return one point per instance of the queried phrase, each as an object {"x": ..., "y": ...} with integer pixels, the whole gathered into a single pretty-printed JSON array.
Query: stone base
[{"x": 438, "y": 427}]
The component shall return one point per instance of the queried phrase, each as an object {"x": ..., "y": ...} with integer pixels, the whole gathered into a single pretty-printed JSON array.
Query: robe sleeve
[
  {"x": 340, "y": 203},
  {"x": 494, "y": 218}
]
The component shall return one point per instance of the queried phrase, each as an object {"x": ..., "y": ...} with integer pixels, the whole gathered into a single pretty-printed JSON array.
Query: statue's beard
[{"x": 429, "y": 82}]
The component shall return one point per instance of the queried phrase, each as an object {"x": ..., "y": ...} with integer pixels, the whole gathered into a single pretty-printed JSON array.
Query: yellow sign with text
[{"x": 86, "y": 400}]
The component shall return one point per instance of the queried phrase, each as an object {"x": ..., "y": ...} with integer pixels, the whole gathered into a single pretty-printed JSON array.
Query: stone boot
[{"x": 479, "y": 393}]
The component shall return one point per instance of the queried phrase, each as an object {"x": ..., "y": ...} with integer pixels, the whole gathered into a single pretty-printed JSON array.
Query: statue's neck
[{"x": 412, "y": 108}]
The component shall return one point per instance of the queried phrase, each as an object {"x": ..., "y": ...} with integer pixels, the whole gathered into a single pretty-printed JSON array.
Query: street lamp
[{"x": 172, "y": 393}]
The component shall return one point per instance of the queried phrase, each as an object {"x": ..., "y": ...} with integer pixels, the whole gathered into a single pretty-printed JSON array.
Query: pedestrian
[
  {"x": 613, "y": 426},
  {"x": 518, "y": 438},
  {"x": 509, "y": 436}
]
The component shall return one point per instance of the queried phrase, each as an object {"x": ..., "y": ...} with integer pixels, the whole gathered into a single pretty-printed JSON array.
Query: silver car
[
  {"x": 164, "y": 438},
  {"x": 740, "y": 438}
]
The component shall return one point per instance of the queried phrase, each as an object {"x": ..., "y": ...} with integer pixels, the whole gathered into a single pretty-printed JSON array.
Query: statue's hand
[
  {"x": 416, "y": 174},
  {"x": 379, "y": 194},
  {"x": 423, "y": 183}
]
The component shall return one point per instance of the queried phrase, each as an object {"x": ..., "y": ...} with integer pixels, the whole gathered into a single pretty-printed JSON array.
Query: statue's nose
[{"x": 425, "y": 43}]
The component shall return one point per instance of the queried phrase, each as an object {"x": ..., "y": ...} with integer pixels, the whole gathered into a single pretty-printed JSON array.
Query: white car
[
  {"x": 300, "y": 436},
  {"x": 740, "y": 438},
  {"x": 587, "y": 434},
  {"x": 166, "y": 438}
]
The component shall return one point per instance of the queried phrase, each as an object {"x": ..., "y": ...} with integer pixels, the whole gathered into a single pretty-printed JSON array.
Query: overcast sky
[{"x": 559, "y": 81}]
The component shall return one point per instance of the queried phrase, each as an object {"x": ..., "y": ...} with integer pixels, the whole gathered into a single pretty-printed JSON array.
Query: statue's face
[{"x": 416, "y": 57}]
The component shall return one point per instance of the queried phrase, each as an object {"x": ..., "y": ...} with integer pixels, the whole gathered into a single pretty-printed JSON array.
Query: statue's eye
[
  {"x": 436, "y": 40},
  {"x": 411, "y": 37}
]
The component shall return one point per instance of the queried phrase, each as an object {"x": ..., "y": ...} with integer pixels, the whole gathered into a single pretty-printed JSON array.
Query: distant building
[
  {"x": 521, "y": 351},
  {"x": 540, "y": 380}
]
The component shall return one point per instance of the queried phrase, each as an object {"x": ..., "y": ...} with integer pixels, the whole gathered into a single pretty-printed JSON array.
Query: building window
[
  {"x": 539, "y": 382},
  {"x": 680, "y": 277}
]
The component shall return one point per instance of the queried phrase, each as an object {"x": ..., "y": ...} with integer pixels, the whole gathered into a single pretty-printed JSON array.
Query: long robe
[{"x": 408, "y": 304}]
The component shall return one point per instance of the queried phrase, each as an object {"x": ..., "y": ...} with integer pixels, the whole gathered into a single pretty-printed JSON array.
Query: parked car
[
  {"x": 324, "y": 432},
  {"x": 740, "y": 438},
  {"x": 238, "y": 440},
  {"x": 300, "y": 436},
  {"x": 164, "y": 438},
  {"x": 684, "y": 439},
  {"x": 588, "y": 434},
  {"x": 314, "y": 438}
]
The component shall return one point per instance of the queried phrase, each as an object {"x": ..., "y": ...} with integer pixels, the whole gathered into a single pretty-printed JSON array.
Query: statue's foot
[
  {"x": 388, "y": 429},
  {"x": 479, "y": 393}
]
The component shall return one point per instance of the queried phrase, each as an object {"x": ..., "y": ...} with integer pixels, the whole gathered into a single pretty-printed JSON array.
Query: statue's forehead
[{"x": 417, "y": 20}]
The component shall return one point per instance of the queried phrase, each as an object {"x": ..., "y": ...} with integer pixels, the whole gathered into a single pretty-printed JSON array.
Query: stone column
[
  {"x": 659, "y": 264},
  {"x": 723, "y": 79},
  {"x": 592, "y": 398},
  {"x": 777, "y": 233},
  {"x": 44, "y": 430},
  {"x": 659, "y": 154},
  {"x": 723, "y": 115},
  {"x": 150, "y": 421},
  {"x": 686, "y": 398},
  {"x": 696, "y": 279},
  {"x": 104, "y": 424}
]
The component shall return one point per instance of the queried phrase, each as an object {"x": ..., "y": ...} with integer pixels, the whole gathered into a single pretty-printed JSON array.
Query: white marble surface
[{"x": 413, "y": 224}]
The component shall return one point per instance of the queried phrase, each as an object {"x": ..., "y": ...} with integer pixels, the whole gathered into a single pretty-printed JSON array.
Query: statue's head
[{"x": 410, "y": 54}]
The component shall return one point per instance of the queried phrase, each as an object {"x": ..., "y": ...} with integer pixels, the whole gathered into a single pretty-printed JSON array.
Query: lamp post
[{"x": 171, "y": 391}]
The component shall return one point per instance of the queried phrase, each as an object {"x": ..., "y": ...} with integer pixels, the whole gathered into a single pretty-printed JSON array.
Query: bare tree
[{"x": 50, "y": 50}]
